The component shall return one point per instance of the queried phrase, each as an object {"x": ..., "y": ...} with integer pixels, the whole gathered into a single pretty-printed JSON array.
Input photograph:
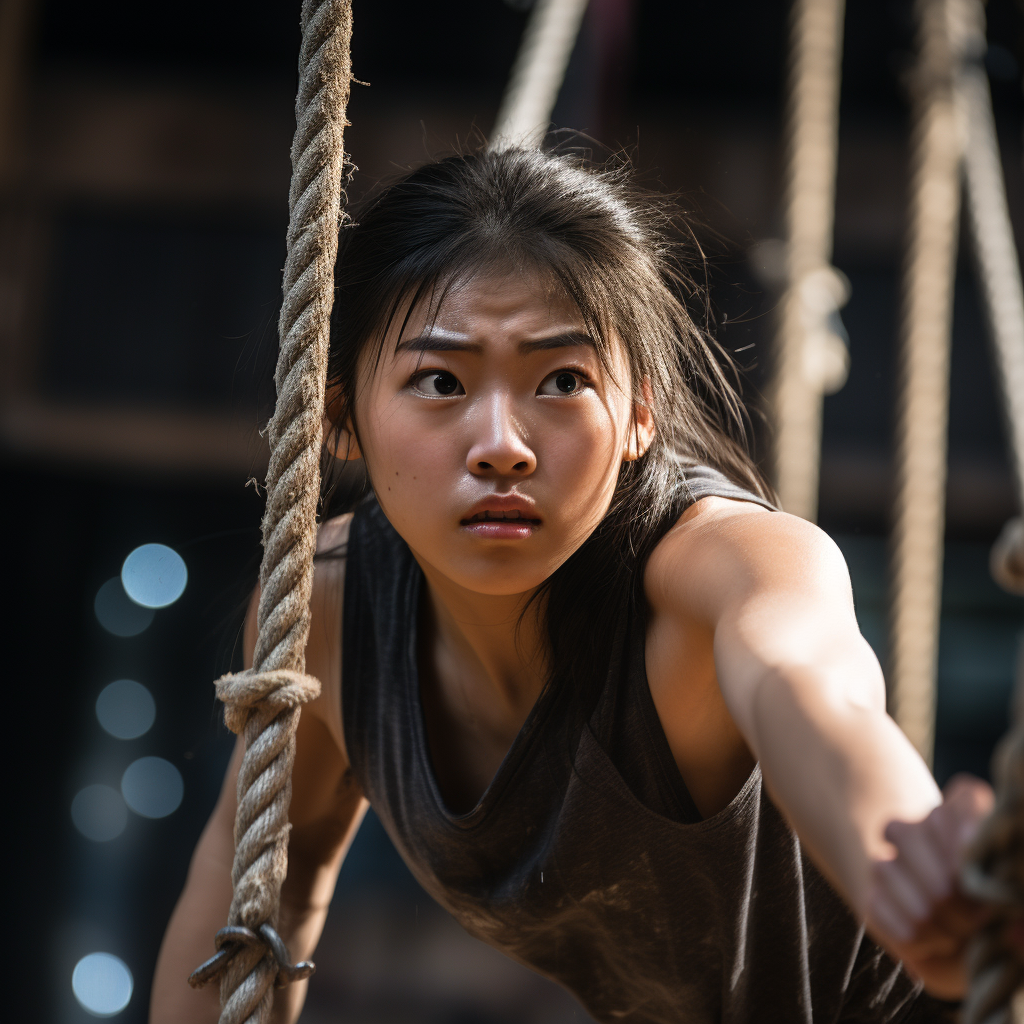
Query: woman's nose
[{"x": 500, "y": 445}]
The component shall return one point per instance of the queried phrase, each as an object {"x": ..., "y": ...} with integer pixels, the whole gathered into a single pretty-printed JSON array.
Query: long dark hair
[{"x": 615, "y": 250}]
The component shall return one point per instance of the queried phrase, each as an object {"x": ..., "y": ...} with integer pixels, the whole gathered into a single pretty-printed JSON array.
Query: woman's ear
[
  {"x": 342, "y": 442},
  {"x": 641, "y": 432}
]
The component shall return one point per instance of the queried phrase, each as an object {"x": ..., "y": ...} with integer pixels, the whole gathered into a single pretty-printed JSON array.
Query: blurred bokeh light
[
  {"x": 152, "y": 787},
  {"x": 117, "y": 612},
  {"x": 126, "y": 709},
  {"x": 99, "y": 813},
  {"x": 154, "y": 575},
  {"x": 102, "y": 983}
]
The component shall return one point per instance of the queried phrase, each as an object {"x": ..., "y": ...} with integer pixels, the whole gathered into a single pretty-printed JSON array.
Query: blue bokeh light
[
  {"x": 99, "y": 813},
  {"x": 154, "y": 575},
  {"x": 102, "y": 983},
  {"x": 152, "y": 787},
  {"x": 117, "y": 613},
  {"x": 126, "y": 709}
]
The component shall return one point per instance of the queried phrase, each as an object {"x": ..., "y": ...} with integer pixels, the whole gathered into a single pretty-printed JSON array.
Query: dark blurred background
[{"x": 143, "y": 181}]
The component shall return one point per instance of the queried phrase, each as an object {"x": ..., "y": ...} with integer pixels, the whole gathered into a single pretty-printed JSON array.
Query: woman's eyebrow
[
  {"x": 567, "y": 339},
  {"x": 438, "y": 341}
]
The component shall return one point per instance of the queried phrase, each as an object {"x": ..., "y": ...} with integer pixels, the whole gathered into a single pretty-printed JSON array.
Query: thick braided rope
[
  {"x": 804, "y": 344},
  {"x": 923, "y": 402},
  {"x": 263, "y": 703}
]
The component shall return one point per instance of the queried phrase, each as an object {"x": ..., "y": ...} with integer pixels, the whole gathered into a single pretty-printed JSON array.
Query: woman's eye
[
  {"x": 565, "y": 382},
  {"x": 438, "y": 384}
]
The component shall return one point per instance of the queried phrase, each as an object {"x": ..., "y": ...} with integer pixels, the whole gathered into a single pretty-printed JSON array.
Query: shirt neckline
[{"x": 514, "y": 756}]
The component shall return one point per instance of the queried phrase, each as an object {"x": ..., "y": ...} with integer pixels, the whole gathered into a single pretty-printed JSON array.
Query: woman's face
[{"x": 492, "y": 434}]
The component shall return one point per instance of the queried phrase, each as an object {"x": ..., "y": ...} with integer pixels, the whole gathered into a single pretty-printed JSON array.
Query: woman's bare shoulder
[
  {"x": 722, "y": 543},
  {"x": 703, "y": 519}
]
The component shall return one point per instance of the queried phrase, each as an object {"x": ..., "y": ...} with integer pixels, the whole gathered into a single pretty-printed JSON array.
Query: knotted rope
[
  {"x": 263, "y": 703},
  {"x": 810, "y": 359}
]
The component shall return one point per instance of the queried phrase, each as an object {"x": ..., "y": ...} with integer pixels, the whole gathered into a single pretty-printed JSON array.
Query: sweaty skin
[{"x": 500, "y": 404}]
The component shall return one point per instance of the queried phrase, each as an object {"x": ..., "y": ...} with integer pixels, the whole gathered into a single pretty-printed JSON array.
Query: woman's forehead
[
  {"x": 515, "y": 311},
  {"x": 496, "y": 302}
]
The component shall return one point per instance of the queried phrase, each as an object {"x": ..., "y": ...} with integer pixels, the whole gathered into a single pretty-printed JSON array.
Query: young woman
[{"x": 613, "y": 709}]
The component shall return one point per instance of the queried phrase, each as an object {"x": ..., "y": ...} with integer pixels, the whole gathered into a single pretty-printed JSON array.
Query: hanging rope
[
  {"x": 525, "y": 111},
  {"x": 923, "y": 402},
  {"x": 811, "y": 360},
  {"x": 999, "y": 278},
  {"x": 995, "y": 872},
  {"x": 263, "y": 704}
]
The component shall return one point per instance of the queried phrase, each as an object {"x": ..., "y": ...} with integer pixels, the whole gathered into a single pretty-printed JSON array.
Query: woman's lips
[
  {"x": 489, "y": 515},
  {"x": 501, "y": 529},
  {"x": 493, "y": 525}
]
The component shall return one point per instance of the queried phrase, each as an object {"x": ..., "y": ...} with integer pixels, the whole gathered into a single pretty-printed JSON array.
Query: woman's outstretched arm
[
  {"x": 327, "y": 807},
  {"x": 807, "y": 694}
]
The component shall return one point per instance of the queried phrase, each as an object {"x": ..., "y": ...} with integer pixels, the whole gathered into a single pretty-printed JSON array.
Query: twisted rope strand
[
  {"x": 804, "y": 342},
  {"x": 923, "y": 405},
  {"x": 997, "y": 267},
  {"x": 263, "y": 704}
]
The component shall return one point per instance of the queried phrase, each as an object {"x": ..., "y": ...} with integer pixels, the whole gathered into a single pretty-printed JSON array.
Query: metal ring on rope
[{"x": 233, "y": 938}]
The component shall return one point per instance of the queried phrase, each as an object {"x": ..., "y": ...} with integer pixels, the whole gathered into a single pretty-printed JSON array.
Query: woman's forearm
[
  {"x": 840, "y": 770},
  {"x": 201, "y": 910}
]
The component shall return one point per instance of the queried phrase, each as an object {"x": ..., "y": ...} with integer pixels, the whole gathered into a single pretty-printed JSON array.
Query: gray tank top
[{"x": 586, "y": 858}]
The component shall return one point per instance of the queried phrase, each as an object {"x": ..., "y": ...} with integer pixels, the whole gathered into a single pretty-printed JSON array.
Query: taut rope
[
  {"x": 996, "y": 870},
  {"x": 810, "y": 359},
  {"x": 998, "y": 276},
  {"x": 537, "y": 74},
  {"x": 263, "y": 704},
  {"x": 924, "y": 395}
]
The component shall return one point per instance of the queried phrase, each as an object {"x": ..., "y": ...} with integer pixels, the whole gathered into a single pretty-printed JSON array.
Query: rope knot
[{"x": 274, "y": 689}]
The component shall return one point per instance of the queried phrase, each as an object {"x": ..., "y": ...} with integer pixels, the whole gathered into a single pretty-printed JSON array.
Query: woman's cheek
[{"x": 588, "y": 457}]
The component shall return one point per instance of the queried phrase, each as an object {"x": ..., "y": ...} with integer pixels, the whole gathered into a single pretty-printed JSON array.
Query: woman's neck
[{"x": 485, "y": 645}]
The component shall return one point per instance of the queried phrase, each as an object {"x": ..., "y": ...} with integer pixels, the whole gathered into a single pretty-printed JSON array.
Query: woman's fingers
[
  {"x": 902, "y": 888},
  {"x": 930, "y": 851},
  {"x": 887, "y": 916},
  {"x": 922, "y": 853},
  {"x": 915, "y": 898},
  {"x": 966, "y": 800}
]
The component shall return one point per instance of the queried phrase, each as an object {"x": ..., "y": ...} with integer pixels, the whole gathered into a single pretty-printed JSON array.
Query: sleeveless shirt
[{"x": 586, "y": 858}]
